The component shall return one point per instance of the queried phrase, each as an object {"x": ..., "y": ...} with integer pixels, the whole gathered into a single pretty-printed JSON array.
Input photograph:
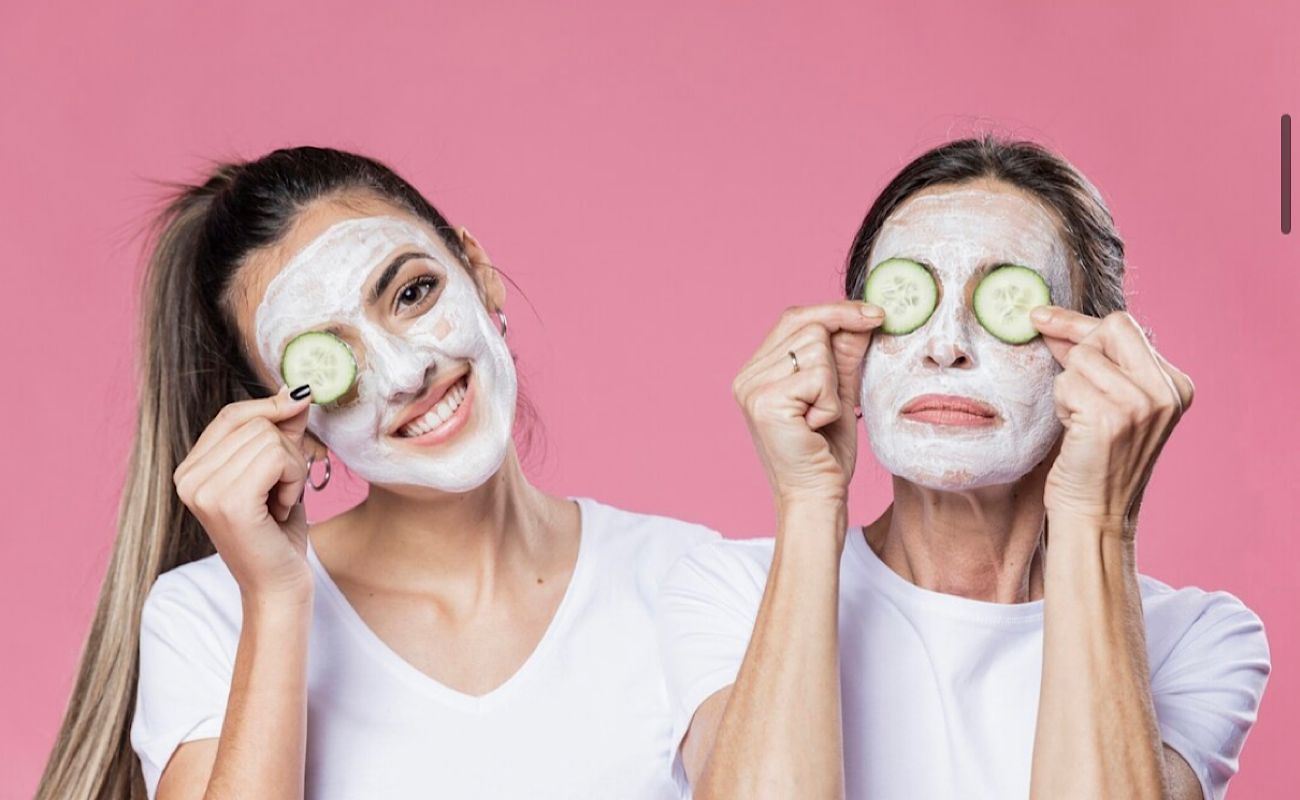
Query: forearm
[
  {"x": 262, "y": 749},
  {"x": 1097, "y": 735},
  {"x": 780, "y": 735}
]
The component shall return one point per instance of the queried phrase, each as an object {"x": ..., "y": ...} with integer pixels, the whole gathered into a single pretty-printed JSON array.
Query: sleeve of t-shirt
[
  {"x": 1207, "y": 691},
  {"x": 704, "y": 617},
  {"x": 186, "y": 663}
]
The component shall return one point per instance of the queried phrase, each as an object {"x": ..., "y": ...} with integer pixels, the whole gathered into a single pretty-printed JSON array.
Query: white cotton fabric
[
  {"x": 940, "y": 692},
  {"x": 586, "y": 716}
]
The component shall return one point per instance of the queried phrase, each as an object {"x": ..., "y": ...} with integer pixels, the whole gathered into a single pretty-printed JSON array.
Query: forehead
[
  {"x": 960, "y": 226},
  {"x": 264, "y": 266}
]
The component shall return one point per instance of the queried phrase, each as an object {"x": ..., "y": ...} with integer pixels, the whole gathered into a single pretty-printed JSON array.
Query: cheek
[
  {"x": 1024, "y": 372},
  {"x": 888, "y": 345},
  {"x": 443, "y": 328}
]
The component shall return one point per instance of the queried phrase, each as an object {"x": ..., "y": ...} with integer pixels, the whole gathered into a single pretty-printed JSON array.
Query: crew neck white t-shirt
[
  {"x": 940, "y": 692},
  {"x": 586, "y": 716}
]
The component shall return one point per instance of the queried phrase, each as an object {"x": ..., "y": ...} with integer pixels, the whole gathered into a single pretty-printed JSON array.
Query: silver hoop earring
[
  {"x": 502, "y": 316},
  {"x": 311, "y": 459}
]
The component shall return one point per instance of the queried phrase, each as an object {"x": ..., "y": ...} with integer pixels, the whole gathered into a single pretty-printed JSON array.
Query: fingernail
[
  {"x": 872, "y": 310},
  {"x": 300, "y": 392},
  {"x": 1041, "y": 314}
]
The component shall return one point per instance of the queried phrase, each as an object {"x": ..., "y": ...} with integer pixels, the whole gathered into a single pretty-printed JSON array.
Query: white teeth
[{"x": 439, "y": 414}]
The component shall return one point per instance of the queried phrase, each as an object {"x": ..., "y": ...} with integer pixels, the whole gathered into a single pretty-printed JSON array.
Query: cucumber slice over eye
[
  {"x": 321, "y": 359},
  {"x": 1004, "y": 298},
  {"x": 907, "y": 292}
]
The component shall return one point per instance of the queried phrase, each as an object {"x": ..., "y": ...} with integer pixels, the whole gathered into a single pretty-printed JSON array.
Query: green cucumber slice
[
  {"x": 907, "y": 292},
  {"x": 322, "y": 360},
  {"x": 1004, "y": 298}
]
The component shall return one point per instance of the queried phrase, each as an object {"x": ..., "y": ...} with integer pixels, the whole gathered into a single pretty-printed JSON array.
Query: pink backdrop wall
[{"x": 661, "y": 180}]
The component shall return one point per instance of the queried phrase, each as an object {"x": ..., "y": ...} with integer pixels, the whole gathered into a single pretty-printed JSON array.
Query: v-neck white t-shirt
[
  {"x": 586, "y": 716},
  {"x": 939, "y": 692}
]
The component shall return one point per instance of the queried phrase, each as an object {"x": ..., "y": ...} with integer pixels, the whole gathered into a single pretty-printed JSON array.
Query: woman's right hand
[
  {"x": 243, "y": 481},
  {"x": 802, "y": 422}
]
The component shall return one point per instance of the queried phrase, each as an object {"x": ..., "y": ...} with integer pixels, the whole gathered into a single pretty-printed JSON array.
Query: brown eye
[{"x": 416, "y": 291}]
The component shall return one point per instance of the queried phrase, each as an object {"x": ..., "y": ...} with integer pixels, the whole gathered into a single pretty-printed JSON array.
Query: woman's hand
[
  {"x": 1119, "y": 401},
  {"x": 802, "y": 421},
  {"x": 243, "y": 481}
]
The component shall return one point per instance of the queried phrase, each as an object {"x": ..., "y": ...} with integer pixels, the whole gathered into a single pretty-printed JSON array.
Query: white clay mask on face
[
  {"x": 961, "y": 233},
  {"x": 326, "y": 284}
]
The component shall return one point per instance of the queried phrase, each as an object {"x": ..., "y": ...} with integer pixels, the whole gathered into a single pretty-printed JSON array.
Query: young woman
[
  {"x": 988, "y": 635},
  {"x": 458, "y": 634}
]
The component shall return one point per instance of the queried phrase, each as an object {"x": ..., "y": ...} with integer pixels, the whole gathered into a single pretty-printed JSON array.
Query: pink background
[{"x": 661, "y": 180}]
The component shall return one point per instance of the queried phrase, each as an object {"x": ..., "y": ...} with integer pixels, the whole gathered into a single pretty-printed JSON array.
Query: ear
[{"x": 487, "y": 277}]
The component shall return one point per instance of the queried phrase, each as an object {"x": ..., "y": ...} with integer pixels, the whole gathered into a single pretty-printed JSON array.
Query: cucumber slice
[
  {"x": 907, "y": 292},
  {"x": 322, "y": 360},
  {"x": 1004, "y": 298}
]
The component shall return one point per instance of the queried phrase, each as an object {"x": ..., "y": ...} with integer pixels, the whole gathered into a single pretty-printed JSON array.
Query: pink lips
[{"x": 949, "y": 409}]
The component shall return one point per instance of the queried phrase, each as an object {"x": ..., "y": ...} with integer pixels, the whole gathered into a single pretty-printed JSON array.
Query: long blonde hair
[{"x": 191, "y": 366}]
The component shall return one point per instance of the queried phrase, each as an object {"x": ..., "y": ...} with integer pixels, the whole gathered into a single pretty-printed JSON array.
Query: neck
[
  {"x": 419, "y": 537},
  {"x": 984, "y": 543}
]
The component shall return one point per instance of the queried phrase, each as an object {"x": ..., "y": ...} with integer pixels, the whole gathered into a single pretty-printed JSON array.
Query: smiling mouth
[{"x": 441, "y": 414}]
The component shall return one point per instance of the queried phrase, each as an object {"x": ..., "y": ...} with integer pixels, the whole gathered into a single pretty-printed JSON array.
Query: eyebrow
[{"x": 390, "y": 272}]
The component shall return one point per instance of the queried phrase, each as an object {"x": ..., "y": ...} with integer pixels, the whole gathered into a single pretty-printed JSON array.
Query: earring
[
  {"x": 324, "y": 481},
  {"x": 502, "y": 316}
]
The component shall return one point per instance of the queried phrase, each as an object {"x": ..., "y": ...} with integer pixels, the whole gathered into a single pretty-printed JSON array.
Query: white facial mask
[
  {"x": 325, "y": 284},
  {"x": 958, "y": 232}
]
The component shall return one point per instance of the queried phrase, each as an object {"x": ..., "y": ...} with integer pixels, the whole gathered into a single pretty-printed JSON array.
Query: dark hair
[
  {"x": 192, "y": 364},
  {"x": 1086, "y": 224}
]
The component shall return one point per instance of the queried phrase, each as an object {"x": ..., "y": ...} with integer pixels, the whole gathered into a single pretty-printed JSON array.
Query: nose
[
  {"x": 948, "y": 342},
  {"x": 397, "y": 367}
]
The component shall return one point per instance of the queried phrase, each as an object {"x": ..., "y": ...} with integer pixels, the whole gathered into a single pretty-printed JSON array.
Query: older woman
[{"x": 988, "y": 634}]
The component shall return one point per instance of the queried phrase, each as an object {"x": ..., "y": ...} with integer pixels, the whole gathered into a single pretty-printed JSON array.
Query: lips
[
  {"x": 431, "y": 399},
  {"x": 949, "y": 402}
]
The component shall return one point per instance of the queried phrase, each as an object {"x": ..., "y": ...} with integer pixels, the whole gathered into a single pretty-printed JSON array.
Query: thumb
[
  {"x": 291, "y": 414},
  {"x": 850, "y": 349}
]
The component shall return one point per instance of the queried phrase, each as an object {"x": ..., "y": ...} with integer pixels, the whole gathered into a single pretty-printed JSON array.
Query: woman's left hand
[{"x": 1119, "y": 400}]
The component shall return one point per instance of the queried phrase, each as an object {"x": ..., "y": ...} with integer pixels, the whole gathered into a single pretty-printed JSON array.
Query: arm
[
  {"x": 1119, "y": 400},
  {"x": 240, "y": 481},
  {"x": 262, "y": 748},
  {"x": 776, "y": 732},
  {"x": 1097, "y": 734}
]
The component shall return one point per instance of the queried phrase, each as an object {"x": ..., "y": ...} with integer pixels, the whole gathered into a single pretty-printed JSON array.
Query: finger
[
  {"x": 808, "y": 394},
  {"x": 1117, "y": 335},
  {"x": 1108, "y": 377},
  {"x": 850, "y": 352},
  {"x": 810, "y": 344},
  {"x": 265, "y": 464},
  {"x": 1074, "y": 395},
  {"x": 842, "y": 315},
  {"x": 295, "y": 426},
  {"x": 276, "y": 408},
  {"x": 1064, "y": 323},
  {"x": 1125, "y": 342},
  {"x": 292, "y": 485},
  {"x": 215, "y": 458},
  {"x": 1121, "y": 339},
  {"x": 1184, "y": 389}
]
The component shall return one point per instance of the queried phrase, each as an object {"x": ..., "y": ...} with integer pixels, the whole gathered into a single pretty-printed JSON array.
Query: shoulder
[
  {"x": 649, "y": 542},
  {"x": 1192, "y": 618},
  {"x": 728, "y": 573},
  {"x": 201, "y": 592}
]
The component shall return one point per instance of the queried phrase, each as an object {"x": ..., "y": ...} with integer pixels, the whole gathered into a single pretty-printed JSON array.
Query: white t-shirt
[
  {"x": 940, "y": 692},
  {"x": 586, "y": 716}
]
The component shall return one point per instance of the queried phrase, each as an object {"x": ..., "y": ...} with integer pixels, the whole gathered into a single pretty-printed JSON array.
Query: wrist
[
  {"x": 279, "y": 601},
  {"x": 1093, "y": 526},
  {"x": 812, "y": 522}
]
